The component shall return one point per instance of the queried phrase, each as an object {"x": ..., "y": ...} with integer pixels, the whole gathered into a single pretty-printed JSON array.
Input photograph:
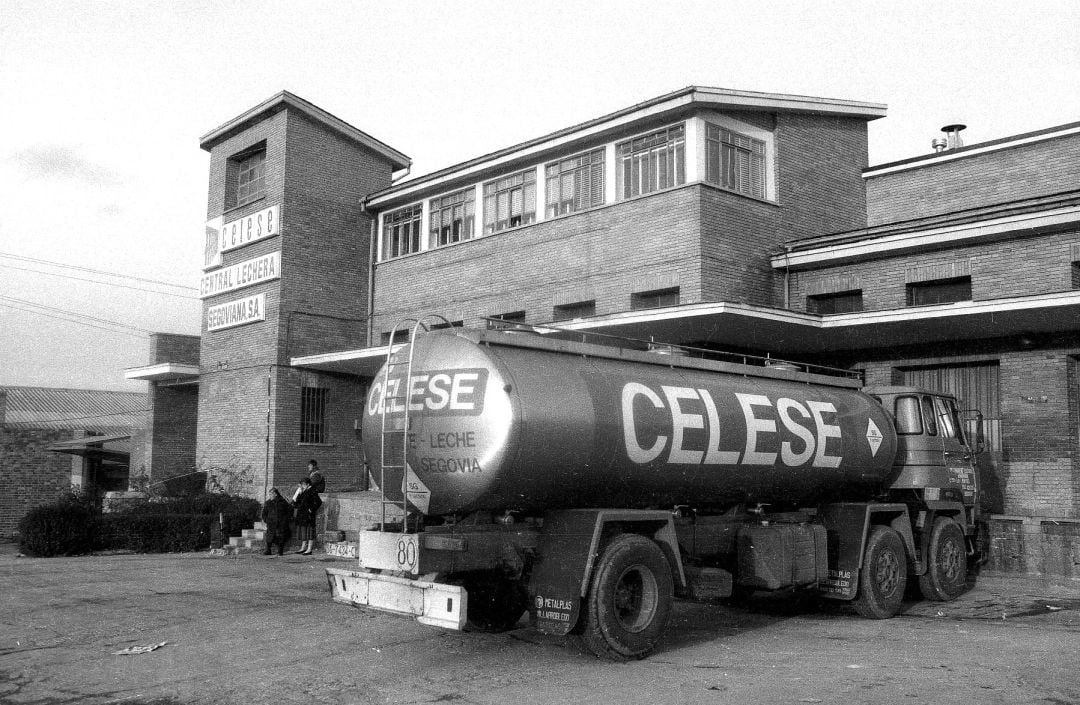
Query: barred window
[
  {"x": 510, "y": 201},
  {"x": 401, "y": 231},
  {"x": 251, "y": 181},
  {"x": 313, "y": 414},
  {"x": 734, "y": 161},
  {"x": 939, "y": 291},
  {"x": 575, "y": 184},
  {"x": 839, "y": 302},
  {"x": 452, "y": 218},
  {"x": 654, "y": 299},
  {"x": 580, "y": 309},
  {"x": 652, "y": 162}
]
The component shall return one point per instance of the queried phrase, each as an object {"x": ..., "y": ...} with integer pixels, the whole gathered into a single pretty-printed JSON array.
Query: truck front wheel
[
  {"x": 629, "y": 599},
  {"x": 946, "y": 569},
  {"x": 883, "y": 577}
]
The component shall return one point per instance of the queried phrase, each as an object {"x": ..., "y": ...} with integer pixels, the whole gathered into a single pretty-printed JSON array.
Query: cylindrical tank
[{"x": 510, "y": 421}]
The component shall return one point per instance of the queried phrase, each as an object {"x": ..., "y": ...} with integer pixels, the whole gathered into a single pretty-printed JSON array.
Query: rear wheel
[
  {"x": 883, "y": 577},
  {"x": 946, "y": 557},
  {"x": 629, "y": 599}
]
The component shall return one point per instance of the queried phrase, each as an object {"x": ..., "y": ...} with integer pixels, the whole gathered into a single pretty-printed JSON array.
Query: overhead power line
[
  {"x": 66, "y": 314},
  {"x": 7, "y": 255},
  {"x": 96, "y": 281}
]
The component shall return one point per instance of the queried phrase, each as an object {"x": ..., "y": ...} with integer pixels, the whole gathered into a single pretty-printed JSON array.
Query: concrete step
[{"x": 259, "y": 534}]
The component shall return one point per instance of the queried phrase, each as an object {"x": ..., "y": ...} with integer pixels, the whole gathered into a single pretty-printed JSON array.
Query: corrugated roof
[{"x": 69, "y": 409}]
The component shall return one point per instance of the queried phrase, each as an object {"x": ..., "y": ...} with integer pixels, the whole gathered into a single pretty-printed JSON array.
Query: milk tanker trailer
[{"x": 592, "y": 484}]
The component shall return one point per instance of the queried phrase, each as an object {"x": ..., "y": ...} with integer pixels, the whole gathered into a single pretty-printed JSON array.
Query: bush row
[{"x": 74, "y": 525}]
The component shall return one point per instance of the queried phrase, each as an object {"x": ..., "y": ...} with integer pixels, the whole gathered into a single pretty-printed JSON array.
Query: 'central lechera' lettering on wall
[{"x": 802, "y": 427}]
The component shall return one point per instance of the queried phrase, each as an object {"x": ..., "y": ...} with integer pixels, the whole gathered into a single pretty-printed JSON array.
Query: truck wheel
[
  {"x": 629, "y": 599},
  {"x": 946, "y": 567},
  {"x": 883, "y": 577}
]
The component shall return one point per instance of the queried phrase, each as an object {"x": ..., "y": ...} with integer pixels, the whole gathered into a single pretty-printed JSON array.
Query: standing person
[
  {"x": 277, "y": 514},
  {"x": 316, "y": 477},
  {"x": 305, "y": 506}
]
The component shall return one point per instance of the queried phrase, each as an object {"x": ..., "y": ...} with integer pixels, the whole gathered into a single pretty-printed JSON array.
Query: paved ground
[{"x": 252, "y": 629}]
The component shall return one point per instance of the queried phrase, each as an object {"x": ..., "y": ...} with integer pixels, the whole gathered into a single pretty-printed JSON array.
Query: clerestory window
[
  {"x": 510, "y": 201},
  {"x": 652, "y": 162}
]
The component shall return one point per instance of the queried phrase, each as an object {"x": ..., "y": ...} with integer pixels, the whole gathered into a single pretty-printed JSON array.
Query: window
[
  {"x": 652, "y": 162},
  {"x": 506, "y": 321},
  {"x": 510, "y": 202},
  {"x": 581, "y": 309},
  {"x": 402, "y": 336},
  {"x": 734, "y": 161},
  {"x": 839, "y": 302},
  {"x": 908, "y": 421},
  {"x": 401, "y": 231},
  {"x": 313, "y": 414},
  {"x": 575, "y": 184},
  {"x": 250, "y": 178},
  {"x": 451, "y": 324},
  {"x": 452, "y": 218},
  {"x": 939, "y": 291},
  {"x": 655, "y": 299},
  {"x": 929, "y": 417}
]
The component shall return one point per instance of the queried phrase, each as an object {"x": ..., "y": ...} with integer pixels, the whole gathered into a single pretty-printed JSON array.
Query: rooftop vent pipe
[{"x": 952, "y": 132}]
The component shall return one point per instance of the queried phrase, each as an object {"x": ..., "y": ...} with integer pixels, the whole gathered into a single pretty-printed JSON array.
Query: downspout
[
  {"x": 269, "y": 406},
  {"x": 787, "y": 278},
  {"x": 371, "y": 275}
]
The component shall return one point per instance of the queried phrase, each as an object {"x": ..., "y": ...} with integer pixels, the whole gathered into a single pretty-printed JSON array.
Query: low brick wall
[
  {"x": 351, "y": 512},
  {"x": 1035, "y": 546}
]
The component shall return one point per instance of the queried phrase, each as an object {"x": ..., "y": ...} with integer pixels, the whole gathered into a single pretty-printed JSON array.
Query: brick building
[
  {"x": 56, "y": 440},
  {"x": 721, "y": 218}
]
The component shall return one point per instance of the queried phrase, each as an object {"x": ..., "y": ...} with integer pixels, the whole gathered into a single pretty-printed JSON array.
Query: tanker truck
[{"x": 592, "y": 484}]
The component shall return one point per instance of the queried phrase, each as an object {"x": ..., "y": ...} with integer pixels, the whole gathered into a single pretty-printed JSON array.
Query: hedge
[{"x": 74, "y": 525}]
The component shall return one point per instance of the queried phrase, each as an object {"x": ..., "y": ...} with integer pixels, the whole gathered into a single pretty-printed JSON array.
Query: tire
[
  {"x": 883, "y": 577},
  {"x": 495, "y": 602},
  {"x": 629, "y": 600},
  {"x": 946, "y": 565}
]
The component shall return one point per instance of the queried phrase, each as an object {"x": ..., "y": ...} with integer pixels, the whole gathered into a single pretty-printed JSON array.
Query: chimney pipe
[
  {"x": 940, "y": 144},
  {"x": 952, "y": 132}
]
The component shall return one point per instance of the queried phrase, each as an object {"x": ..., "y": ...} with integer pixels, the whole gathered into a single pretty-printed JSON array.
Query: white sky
[{"x": 103, "y": 104}]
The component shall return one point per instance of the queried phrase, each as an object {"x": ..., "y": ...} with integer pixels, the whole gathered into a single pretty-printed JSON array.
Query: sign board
[
  {"x": 236, "y": 313},
  {"x": 238, "y": 276},
  {"x": 239, "y": 232}
]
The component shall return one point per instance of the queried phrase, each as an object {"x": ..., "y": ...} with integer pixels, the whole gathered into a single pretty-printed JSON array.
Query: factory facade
[{"x": 716, "y": 218}]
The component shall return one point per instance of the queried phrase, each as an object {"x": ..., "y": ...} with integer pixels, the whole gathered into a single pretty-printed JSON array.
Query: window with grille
[
  {"x": 652, "y": 162},
  {"x": 452, "y": 218},
  {"x": 401, "y": 231},
  {"x": 939, "y": 291},
  {"x": 313, "y": 414},
  {"x": 510, "y": 201},
  {"x": 839, "y": 302},
  {"x": 575, "y": 184},
  {"x": 734, "y": 161},
  {"x": 655, "y": 299},
  {"x": 250, "y": 180},
  {"x": 581, "y": 309}
]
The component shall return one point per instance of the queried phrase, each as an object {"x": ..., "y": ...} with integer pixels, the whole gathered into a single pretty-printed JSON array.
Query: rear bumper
[{"x": 434, "y": 604}]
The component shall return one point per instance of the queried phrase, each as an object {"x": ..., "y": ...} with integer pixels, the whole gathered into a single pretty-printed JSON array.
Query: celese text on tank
[{"x": 802, "y": 428}]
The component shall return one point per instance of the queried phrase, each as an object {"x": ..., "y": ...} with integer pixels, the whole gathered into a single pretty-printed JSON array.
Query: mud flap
[
  {"x": 848, "y": 525},
  {"x": 569, "y": 546}
]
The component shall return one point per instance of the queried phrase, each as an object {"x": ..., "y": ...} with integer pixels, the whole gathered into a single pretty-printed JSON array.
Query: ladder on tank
[{"x": 394, "y": 438}]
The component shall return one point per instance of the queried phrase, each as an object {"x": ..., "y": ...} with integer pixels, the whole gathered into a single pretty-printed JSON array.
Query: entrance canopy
[{"x": 105, "y": 448}]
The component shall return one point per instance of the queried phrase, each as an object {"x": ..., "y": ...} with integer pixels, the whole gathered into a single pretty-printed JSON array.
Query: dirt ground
[{"x": 255, "y": 629}]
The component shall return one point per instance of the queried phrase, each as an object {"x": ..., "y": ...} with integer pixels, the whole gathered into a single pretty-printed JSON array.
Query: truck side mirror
[{"x": 980, "y": 436}]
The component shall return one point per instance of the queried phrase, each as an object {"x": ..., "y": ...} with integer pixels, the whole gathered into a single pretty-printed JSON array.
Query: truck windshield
[{"x": 950, "y": 420}]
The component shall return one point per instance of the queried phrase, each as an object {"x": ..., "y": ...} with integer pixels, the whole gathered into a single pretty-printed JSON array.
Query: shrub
[
  {"x": 67, "y": 527},
  {"x": 74, "y": 525},
  {"x": 177, "y": 524}
]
